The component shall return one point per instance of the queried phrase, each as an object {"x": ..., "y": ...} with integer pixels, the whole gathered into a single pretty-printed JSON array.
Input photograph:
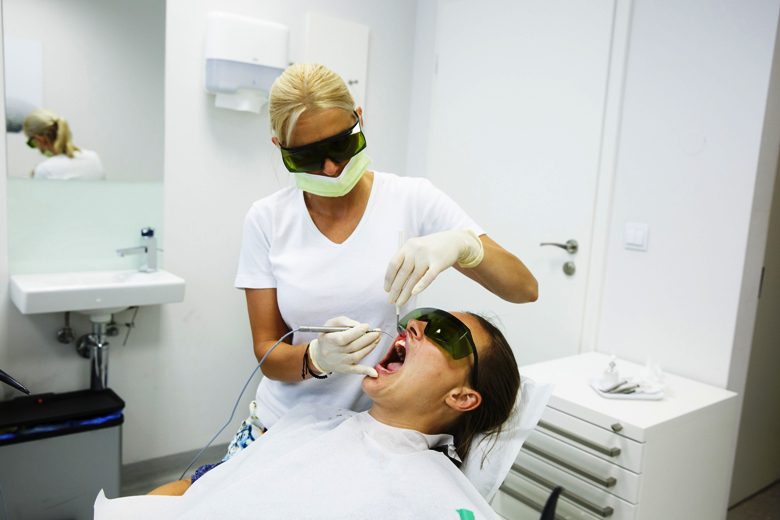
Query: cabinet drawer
[
  {"x": 521, "y": 499},
  {"x": 604, "y": 444},
  {"x": 586, "y": 497},
  {"x": 602, "y": 474}
]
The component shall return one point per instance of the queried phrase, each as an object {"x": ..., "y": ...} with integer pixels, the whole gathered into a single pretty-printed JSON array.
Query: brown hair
[{"x": 498, "y": 382}]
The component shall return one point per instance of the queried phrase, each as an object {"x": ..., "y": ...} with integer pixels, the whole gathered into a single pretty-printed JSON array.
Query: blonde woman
[
  {"x": 326, "y": 252},
  {"x": 328, "y": 248},
  {"x": 50, "y": 135}
]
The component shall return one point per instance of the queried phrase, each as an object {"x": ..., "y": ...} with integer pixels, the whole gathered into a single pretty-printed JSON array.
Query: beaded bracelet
[{"x": 306, "y": 370}]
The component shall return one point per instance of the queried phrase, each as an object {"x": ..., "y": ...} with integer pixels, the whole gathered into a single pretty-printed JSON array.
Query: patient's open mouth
[{"x": 395, "y": 357}]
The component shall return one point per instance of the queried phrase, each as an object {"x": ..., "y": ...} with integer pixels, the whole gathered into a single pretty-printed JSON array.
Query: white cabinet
[{"x": 624, "y": 459}]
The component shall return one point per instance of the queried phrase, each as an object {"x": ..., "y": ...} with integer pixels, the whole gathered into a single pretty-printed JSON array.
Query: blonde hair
[
  {"x": 301, "y": 87},
  {"x": 41, "y": 122}
]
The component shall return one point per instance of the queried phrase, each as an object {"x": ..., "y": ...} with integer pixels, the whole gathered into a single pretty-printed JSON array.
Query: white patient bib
[{"x": 327, "y": 465}]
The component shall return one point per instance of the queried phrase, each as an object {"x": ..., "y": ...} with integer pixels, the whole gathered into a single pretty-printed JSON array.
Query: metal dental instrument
[
  {"x": 307, "y": 328},
  {"x": 7, "y": 379},
  {"x": 615, "y": 387},
  {"x": 627, "y": 389},
  {"x": 401, "y": 331}
]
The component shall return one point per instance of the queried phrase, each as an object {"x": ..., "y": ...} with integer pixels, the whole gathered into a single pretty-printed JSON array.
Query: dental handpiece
[{"x": 307, "y": 328}]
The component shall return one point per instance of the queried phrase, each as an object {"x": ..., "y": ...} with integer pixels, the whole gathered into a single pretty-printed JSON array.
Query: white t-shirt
[
  {"x": 316, "y": 279},
  {"x": 322, "y": 463},
  {"x": 85, "y": 165}
]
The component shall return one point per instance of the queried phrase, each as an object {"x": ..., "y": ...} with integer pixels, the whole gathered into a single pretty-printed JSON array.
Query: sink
[{"x": 94, "y": 292}]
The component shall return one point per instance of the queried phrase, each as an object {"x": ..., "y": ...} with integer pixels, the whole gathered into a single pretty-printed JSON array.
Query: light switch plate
[{"x": 635, "y": 236}]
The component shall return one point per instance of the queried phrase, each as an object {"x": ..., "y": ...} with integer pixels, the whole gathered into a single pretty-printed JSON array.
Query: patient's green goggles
[
  {"x": 338, "y": 148},
  {"x": 448, "y": 332}
]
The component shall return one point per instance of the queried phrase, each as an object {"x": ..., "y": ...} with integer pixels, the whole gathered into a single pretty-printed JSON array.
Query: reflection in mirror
[{"x": 84, "y": 88}]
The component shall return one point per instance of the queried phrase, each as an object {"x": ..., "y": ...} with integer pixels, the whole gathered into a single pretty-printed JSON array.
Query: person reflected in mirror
[{"x": 50, "y": 134}]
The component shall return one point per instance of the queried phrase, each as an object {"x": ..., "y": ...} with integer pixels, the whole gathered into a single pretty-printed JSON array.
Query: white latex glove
[
  {"x": 340, "y": 351},
  {"x": 421, "y": 259}
]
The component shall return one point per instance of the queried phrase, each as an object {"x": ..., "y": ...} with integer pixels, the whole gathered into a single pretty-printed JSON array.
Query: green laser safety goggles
[
  {"x": 338, "y": 148},
  {"x": 31, "y": 142},
  {"x": 448, "y": 332}
]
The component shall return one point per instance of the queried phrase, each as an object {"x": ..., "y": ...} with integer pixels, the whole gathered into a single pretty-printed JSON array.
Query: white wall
[
  {"x": 185, "y": 363},
  {"x": 693, "y": 113},
  {"x": 423, "y": 76},
  {"x": 93, "y": 54}
]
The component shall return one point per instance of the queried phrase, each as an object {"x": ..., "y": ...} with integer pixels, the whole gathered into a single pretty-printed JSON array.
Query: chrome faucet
[{"x": 147, "y": 250}]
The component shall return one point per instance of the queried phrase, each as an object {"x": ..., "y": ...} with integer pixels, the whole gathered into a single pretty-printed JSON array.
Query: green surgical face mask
[{"x": 325, "y": 186}]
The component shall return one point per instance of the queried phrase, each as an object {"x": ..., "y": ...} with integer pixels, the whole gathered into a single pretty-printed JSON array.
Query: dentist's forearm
[
  {"x": 285, "y": 363},
  {"x": 503, "y": 274}
]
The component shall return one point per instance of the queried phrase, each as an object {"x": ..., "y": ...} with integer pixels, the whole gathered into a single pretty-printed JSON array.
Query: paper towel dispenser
[{"x": 243, "y": 58}]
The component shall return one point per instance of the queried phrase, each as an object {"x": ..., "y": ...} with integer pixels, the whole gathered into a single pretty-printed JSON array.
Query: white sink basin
[{"x": 94, "y": 292}]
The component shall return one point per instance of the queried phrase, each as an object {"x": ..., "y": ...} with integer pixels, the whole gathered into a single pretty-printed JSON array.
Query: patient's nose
[{"x": 415, "y": 329}]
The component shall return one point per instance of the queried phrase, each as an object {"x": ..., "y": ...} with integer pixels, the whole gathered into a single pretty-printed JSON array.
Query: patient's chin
[{"x": 371, "y": 385}]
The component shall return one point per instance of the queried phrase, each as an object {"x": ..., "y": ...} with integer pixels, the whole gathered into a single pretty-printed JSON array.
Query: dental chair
[{"x": 490, "y": 460}]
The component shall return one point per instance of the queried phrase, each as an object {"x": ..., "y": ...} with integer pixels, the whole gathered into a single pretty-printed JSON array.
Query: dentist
[
  {"x": 327, "y": 252},
  {"x": 50, "y": 134}
]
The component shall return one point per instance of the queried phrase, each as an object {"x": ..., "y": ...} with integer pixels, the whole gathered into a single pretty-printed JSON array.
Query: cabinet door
[{"x": 515, "y": 133}]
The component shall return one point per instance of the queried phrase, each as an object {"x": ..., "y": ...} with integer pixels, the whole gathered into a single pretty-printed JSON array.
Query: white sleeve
[
  {"x": 438, "y": 212},
  {"x": 41, "y": 172},
  {"x": 254, "y": 266}
]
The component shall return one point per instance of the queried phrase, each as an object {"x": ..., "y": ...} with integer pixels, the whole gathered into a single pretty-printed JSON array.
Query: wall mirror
[{"x": 99, "y": 64}]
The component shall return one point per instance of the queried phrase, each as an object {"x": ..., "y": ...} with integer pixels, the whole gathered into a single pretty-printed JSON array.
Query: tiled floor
[{"x": 763, "y": 506}]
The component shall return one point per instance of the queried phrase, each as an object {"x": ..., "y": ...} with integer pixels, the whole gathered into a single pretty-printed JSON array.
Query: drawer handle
[
  {"x": 603, "y": 512},
  {"x": 610, "y": 452},
  {"x": 606, "y": 482},
  {"x": 533, "y": 504}
]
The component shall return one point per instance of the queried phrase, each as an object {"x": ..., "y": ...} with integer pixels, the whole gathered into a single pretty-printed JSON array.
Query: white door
[
  {"x": 757, "y": 460},
  {"x": 516, "y": 124}
]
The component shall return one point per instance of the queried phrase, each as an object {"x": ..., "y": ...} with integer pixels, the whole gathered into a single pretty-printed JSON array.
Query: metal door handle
[
  {"x": 610, "y": 452},
  {"x": 603, "y": 481},
  {"x": 571, "y": 246},
  {"x": 602, "y": 511}
]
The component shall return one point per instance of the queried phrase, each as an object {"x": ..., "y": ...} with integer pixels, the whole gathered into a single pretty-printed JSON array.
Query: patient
[{"x": 450, "y": 375}]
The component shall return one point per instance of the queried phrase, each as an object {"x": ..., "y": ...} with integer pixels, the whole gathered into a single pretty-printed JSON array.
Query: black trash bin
[{"x": 57, "y": 451}]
